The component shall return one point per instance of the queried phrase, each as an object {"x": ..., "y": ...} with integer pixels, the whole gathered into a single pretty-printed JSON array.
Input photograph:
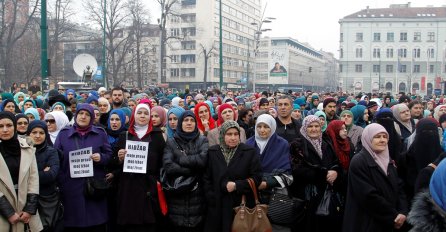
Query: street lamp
[{"x": 258, "y": 31}]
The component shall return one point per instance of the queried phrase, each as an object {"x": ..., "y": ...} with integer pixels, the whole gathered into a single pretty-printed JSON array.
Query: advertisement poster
[{"x": 278, "y": 64}]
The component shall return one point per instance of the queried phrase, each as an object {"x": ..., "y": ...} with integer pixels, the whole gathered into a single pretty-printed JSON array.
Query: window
[
  {"x": 403, "y": 68},
  {"x": 174, "y": 72},
  {"x": 431, "y": 36},
  {"x": 188, "y": 59},
  {"x": 389, "y": 68},
  {"x": 175, "y": 58},
  {"x": 431, "y": 68},
  {"x": 174, "y": 32},
  {"x": 358, "y": 68},
  {"x": 417, "y": 36},
  {"x": 341, "y": 53},
  {"x": 340, "y": 68},
  {"x": 416, "y": 53},
  {"x": 376, "y": 68},
  {"x": 376, "y": 53},
  {"x": 402, "y": 52},
  {"x": 359, "y": 37},
  {"x": 341, "y": 37},
  {"x": 188, "y": 45},
  {"x": 430, "y": 53},
  {"x": 376, "y": 37},
  {"x": 188, "y": 72},
  {"x": 358, "y": 52},
  {"x": 390, "y": 36},
  {"x": 416, "y": 68},
  {"x": 389, "y": 53},
  {"x": 403, "y": 36}
]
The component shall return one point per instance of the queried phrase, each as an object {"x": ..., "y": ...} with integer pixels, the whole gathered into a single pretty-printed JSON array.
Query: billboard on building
[{"x": 278, "y": 64}]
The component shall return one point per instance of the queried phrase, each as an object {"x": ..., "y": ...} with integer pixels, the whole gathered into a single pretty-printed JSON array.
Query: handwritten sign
[
  {"x": 81, "y": 165},
  {"x": 135, "y": 160}
]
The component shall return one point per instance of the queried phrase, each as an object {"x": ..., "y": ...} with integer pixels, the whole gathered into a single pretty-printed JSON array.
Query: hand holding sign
[{"x": 96, "y": 157}]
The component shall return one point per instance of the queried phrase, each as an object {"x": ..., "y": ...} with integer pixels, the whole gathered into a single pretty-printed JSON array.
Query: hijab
[
  {"x": 121, "y": 115},
  {"x": 140, "y": 130},
  {"x": 211, "y": 106},
  {"x": 369, "y": 132},
  {"x": 90, "y": 110},
  {"x": 317, "y": 142},
  {"x": 358, "y": 115},
  {"x": 34, "y": 112},
  {"x": 186, "y": 136},
  {"x": 437, "y": 110},
  {"x": 61, "y": 121},
  {"x": 5, "y": 102},
  {"x": 177, "y": 111},
  {"x": 211, "y": 121},
  {"x": 16, "y": 97},
  {"x": 11, "y": 146},
  {"x": 220, "y": 110},
  {"x": 322, "y": 114},
  {"x": 19, "y": 116},
  {"x": 348, "y": 127},
  {"x": 103, "y": 100},
  {"x": 43, "y": 126},
  {"x": 341, "y": 146},
  {"x": 176, "y": 101},
  {"x": 271, "y": 123},
  {"x": 385, "y": 118},
  {"x": 28, "y": 100},
  {"x": 396, "y": 110},
  {"x": 162, "y": 114},
  {"x": 228, "y": 152},
  {"x": 437, "y": 186}
]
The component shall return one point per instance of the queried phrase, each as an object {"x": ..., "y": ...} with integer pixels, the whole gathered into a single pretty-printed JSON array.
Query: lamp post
[
  {"x": 221, "y": 45},
  {"x": 104, "y": 69},
  {"x": 44, "y": 46},
  {"x": 258, "y": 31}
]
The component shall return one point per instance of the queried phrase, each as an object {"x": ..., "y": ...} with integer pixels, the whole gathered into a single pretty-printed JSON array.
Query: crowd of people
[{"x": 163, "y": 161}]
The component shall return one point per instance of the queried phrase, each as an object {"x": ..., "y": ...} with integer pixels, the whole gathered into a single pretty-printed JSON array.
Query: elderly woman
[
  {"x": 229, "y": 166},
  {"x": 20, "y": 180},
  {"x": 205, "y": 121},
  {"x": 48, "y": 167},
  {"x": 405, "y": 125},
  {"x": 354, "y": 132},
  {"x": 137, "y": 204},
  {"x": 375, "y": 198},
  {"x": 104, "y": 109},
  {"x": 315, "y": 168},
  {"x": 55, "y": 121},
  {"x": 186, "y": 155},
  {"x": 274, "y": 154},
  {"x": 225, "y": 113},
  {"x": 81, "y": 212}
]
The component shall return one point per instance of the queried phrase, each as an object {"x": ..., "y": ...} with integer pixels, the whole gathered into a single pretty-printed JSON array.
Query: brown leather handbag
[{"x": 251, "y": 220}]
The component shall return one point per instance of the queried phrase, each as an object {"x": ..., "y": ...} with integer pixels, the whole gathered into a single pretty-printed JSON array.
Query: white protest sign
[
  {"x": 81, "y": 165},
  {"x": 135, "y": 160}
]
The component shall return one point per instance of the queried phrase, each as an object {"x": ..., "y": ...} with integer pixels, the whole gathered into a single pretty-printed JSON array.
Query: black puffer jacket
[
  {"x": 47, "y": 156},
  {"x": 186, "y": 209}
]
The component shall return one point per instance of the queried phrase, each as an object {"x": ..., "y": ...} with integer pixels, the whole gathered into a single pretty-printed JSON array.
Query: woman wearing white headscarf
[
  {"x": 177, "y": 101},
  {"x": 375, "y": 198},
  {"x": 55, "y": 121}
]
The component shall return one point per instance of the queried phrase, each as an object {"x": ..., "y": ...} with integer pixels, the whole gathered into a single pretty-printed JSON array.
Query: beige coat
[
  {"x": 215, "y": 133},
  {"x": 28, "y": 183}
]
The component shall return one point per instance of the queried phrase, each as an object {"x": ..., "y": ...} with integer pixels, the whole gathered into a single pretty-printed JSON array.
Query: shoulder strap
[
  {"x": 126, "y": 135},
  {"x": 432, "y": 166},
  {"x": 254, "y": 190}
]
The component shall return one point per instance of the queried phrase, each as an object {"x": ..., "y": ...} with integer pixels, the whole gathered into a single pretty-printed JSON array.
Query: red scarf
[
  {"x": 211, "y": 121},
  {"x": 341, "y": 146}
]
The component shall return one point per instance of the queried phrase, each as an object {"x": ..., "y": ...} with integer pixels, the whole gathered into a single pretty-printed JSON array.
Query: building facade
[
  {"x": 192, "y": 54},
  {"x": 395, "y": 49},
  {"x": 285, "y": 63}
]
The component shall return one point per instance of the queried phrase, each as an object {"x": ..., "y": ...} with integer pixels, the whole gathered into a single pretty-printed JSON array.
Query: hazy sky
[{"x": 311, "y": 21}]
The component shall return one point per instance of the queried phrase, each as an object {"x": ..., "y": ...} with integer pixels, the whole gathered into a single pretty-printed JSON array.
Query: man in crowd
[{"x": 287, "y": 127}]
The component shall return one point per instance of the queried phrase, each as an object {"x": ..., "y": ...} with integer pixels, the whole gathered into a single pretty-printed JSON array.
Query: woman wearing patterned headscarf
[
  {"x": 229, "y": 166},
  {"x": 375, "y": 200},
  {"x": 186, "y": 155},
  {"x": 315, "y": 167}
]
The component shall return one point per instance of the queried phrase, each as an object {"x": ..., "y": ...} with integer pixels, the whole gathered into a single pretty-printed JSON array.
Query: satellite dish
[{"x": 81, "y": 62}]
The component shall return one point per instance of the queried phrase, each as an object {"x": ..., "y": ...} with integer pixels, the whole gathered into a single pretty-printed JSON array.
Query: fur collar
[{"x": 425, "y": 215}]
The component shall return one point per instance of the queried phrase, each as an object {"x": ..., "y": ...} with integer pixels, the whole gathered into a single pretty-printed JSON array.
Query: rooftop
[{"x": 400, "y": 11}]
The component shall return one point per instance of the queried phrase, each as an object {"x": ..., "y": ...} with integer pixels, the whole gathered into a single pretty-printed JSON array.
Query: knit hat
[
  {"x": 328, "y": 100},
  {"x": 371, "y": 104}
]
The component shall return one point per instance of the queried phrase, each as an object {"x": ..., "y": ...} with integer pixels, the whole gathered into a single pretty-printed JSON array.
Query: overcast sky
[{"x": 312, "y": 21}]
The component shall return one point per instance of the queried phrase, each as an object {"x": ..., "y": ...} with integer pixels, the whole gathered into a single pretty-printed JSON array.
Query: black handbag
[
  {"x": 50, "y": 211},
  {"x": 96, "y": 189},
  {"x": 331, "y": 203},
  {"x": 283, "y": 209}
]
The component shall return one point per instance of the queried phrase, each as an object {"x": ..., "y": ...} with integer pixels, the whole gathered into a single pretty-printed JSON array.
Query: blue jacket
[{"x": 79, "y": 211}]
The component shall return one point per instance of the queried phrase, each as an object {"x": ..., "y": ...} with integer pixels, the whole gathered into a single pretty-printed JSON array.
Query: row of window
[
  {"x": 185, "y": 18},
  {"x": 401, "y": 52},
  {"x": 186, "y": 31},
  {"x": 234, "y": 25},
  {"x": 184, "y": 59},
  {"x": 228, "y": 48},
  {"x": 402, "y": 68},
  {"x": 236, "y": 13},
  {"x": 232, "y": 36},
  {"x": 243, "y": 5},
  {"x": 182, "y": 72},
  {"x": 390, "y": 37},
  {"x": 229, "y": 73}
]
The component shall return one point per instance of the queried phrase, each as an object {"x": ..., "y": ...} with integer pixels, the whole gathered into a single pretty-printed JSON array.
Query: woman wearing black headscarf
[
  {"x": 385, "y": 118},
  {"x": 18, "y": 196},
  {"x": 186, "y": 155},
  {"x": 48, "y": 167},
  {"x": 424, "y": 150},
  {"x": 22, "y": 125}
]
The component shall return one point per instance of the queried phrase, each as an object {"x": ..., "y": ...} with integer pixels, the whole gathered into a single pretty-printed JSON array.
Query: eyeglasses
[
  {"x": 50, "y": 121},
  {"x": 22, "y": 123}
]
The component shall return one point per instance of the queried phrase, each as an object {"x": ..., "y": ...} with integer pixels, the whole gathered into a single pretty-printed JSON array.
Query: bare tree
[
  {"x": 118, "y": 42},
  {"x": 14, "y": 22},
  {"x": 206, "y": 53}
]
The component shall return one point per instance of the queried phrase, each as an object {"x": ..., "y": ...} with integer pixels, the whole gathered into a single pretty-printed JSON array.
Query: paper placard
[
  {"x": 135, "y": 160},
  {"x": 81, "y": 165}
]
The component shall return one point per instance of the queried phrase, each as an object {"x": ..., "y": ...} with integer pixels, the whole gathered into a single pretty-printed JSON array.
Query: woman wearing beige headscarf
[{"x": 404, "y": 124}]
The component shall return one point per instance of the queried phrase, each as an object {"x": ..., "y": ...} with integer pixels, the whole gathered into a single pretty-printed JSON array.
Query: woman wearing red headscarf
[
  {"x": 225, "y": 113},
  {"x": 137, "y": 205},
  {"x": 205, "y": 122}
]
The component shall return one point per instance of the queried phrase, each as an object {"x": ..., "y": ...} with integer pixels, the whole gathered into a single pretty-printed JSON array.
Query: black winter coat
[
  {"x": 47, "y": 156},
  {"x": 186, "y": 158},
  {"x": 374, "y": 199},
  {"x": 426, "y": 215},
  {"x": 137, "y": 193},
  {"x": 245, "y": 164}
]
